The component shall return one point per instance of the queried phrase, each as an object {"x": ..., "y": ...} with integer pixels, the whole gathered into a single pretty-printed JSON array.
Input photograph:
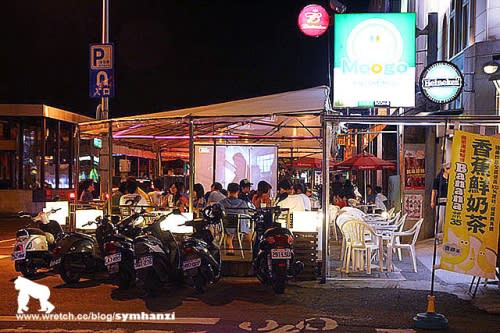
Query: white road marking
[
  {"x": 7, "y": 240},
  {"x": 177, "y": 320}
]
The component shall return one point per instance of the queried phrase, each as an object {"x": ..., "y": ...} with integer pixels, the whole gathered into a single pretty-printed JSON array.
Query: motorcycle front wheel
[{"x": 66, "y": 274}]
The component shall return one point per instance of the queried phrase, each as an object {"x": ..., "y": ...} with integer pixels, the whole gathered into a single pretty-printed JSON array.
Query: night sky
[{"x": 168, "y": 54}]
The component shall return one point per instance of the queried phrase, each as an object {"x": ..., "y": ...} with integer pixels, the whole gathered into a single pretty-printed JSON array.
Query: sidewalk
[{"x": 487, "y": 297}]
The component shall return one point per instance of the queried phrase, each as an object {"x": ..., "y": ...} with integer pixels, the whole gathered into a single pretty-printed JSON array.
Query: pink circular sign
[{"x": 313, "y": 20}]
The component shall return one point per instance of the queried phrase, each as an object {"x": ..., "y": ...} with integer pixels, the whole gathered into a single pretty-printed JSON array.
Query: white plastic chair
[
  {"x": 356, "y": 246},
  {"x": 333, "y": 211},
  {"x": 393, "y": 244},
  {"x": 401, "y": 225}
]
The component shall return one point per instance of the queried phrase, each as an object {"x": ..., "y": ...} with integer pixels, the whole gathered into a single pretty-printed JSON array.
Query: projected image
[{"x": 234, "y": 163}]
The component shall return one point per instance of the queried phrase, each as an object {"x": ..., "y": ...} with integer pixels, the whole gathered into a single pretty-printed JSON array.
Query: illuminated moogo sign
[
  {"x": 313, "y": 20},
  {"x": 441, "y": 82},
  {"x": 374, "y": 60}
]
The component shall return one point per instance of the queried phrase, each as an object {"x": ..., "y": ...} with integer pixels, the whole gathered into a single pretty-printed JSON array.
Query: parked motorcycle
[
  {"x": 81, "y": 253},
  {"x": 157, "y": 257},
  {"x": 201, "y": 259},
  {"x": 274, "y": 259},
  {"x": 118, "y": 250},
  {"x": 34, "y": 246}
]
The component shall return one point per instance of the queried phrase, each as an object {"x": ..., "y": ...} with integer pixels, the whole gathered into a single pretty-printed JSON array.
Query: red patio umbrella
[
  {"x": 309, "y": 162},
  {"x": 365, "y": 161}
]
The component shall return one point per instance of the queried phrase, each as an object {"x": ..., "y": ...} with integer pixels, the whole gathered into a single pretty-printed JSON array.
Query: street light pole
[{"x": 105, "y": 40}]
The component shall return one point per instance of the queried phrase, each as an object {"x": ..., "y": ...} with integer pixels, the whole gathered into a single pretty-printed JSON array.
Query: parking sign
[
  {"x": 101, "y": 71},
  {"x": 101, "y": 56}
]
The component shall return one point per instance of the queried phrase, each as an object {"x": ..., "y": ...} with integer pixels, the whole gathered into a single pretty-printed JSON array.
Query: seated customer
[
  {"x": 380, "y": 199},
  {"x": 286, "y": 199},
  {"x": 233, "y": 205}
]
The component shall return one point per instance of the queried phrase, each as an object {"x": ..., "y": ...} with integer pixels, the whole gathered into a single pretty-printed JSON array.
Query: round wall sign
[
  {"x": 441, "y": 82},
  {"x": 313, "y": 20}
]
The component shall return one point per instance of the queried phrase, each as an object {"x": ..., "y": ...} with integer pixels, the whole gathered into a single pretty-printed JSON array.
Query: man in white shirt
[
  {"x": 293, "y": 202},
  {"x": 380, "y": 199},
  {"x": 299, "y": 190},
  {"x": 132, "y": 198}
]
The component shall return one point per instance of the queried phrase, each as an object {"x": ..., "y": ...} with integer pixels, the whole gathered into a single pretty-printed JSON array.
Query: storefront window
[
  {"x": 65, "y": 145},
  {"x": 8, "y": 143},
  {"x": 32, "y": 133},
  {"x": 50, "y": 154}
]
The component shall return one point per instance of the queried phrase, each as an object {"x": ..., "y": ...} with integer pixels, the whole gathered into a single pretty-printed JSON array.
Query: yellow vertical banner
[{"x": 472, "y": 211}]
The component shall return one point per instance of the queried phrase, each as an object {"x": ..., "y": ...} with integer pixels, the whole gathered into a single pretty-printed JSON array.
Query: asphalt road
[{"x": 232, "y": 305}]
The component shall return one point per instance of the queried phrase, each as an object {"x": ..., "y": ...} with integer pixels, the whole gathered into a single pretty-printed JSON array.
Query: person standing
[
  {"x": 235, "y": 206},
  {"x": 438, "y": 197}
]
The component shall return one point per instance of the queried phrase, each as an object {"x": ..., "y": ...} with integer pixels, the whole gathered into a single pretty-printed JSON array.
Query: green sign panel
[{"x": 374, "y": 60}]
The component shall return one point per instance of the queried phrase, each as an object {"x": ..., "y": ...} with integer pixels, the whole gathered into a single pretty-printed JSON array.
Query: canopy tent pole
[
  {"x": 191, "y": 163},
  {"x": 214, "y": 157},
  {"x": 325, "y": 197},
  {"x": 76, "y": 179}
]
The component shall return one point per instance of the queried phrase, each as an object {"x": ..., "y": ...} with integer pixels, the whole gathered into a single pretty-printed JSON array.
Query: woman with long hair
[
  {"x": 198, "y": 196},
  {"x": 262, "y": 198},
  {"x": 177, "y": 198}
]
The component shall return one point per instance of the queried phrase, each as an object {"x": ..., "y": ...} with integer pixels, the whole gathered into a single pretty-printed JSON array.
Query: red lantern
[{"x": 313, "y": 20}]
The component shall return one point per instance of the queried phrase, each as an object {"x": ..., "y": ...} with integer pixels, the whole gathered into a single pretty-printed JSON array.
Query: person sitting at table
[
  {"x": 293, "y": 202},
  {"x": 262, "y": 198},
  {"x": 234, "y": 205},
  {"x": 177, "y": 197},
  {"x": 132, "y": 197},
  {"x": 370, "y": 195},
  {"x": 215, "y": 194},
  {"x": 88, "y": 187},
  {"x": 115, "y": 198},
  {"x": 380, "y": 199},
  {"x": 198, "y": 196},
  {"x": 156, "y": 195},
  {"x": 299, "y": 190},
  {"x": 339, "y": 201}
]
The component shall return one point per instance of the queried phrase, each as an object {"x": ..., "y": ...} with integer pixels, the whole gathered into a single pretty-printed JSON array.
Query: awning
[{"x": 290, "y": 120}]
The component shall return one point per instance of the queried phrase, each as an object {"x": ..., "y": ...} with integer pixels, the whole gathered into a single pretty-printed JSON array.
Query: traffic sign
[
  {"x": 101, "y": 56},
  {"x": 101, "y": 82}
]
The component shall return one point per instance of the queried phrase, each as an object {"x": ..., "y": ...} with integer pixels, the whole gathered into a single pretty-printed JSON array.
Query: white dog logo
[{"x": 27, "y": 289}]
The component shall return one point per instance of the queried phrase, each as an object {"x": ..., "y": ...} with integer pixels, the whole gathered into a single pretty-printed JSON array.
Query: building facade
[
  {"x": 468, "y": 36},
  {"x": 37, "y": 154}
]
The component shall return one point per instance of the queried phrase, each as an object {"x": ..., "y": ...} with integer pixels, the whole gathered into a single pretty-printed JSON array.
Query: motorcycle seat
[{"x": 30, "y": 232}]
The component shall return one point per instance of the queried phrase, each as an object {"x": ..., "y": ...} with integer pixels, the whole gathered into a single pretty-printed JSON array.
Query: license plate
[
  {"x": 142, "y": 262},
  {"x": 113, "y": 268},
  {"x": 281, "y": 254},
  {"x": 192, "y": 263},
  {"x": 19, "y": 255},
  {"x": 112, "y": 259},
  {"x": 54, "y": 262}
]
